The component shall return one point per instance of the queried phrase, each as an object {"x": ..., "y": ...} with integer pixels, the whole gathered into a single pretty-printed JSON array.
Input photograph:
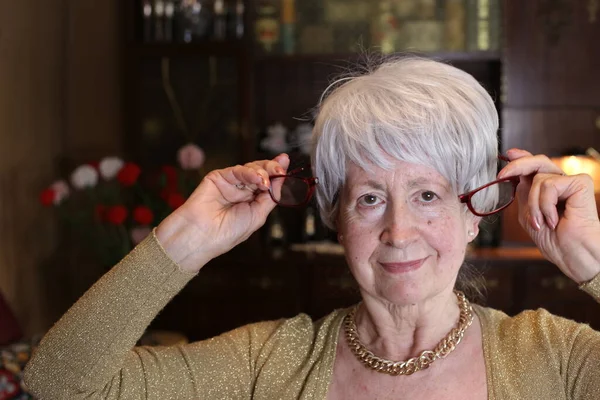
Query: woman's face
[{"x": 404, "y": 232}]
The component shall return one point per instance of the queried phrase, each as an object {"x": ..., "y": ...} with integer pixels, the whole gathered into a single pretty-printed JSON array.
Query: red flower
[
  {"x": 171, "y": 176},
  {"x": 143, "y": 215},
  {"x": 129, "y": 174},
  {"x": 9, "y": 386},
  {"x": 100, "y": 212},
  {"x": 175, "y": 200},
  {"x": 47, "y": 197},
  {"x": 116, "y": 214}
]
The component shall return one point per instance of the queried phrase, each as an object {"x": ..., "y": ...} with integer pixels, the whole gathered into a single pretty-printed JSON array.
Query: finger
[
  {"x": 515, "y": 153},
  {"x": 548, "y": 200},
  {"x": 524, "y": 166},
  {"x": 263, "y": 204},
  {"x": 534, "y": 217},
  {"x": 284, "y": 160},
  {"x": 241, "y": 175},
  {"x": 267, "y": 168},
  {"x": 576, "y": 191}
]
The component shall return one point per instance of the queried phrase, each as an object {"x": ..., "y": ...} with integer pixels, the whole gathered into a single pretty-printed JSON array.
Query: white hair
[{"x": 412, "y": 109}]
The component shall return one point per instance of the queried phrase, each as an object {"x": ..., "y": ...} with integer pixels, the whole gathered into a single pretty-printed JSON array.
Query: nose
[{"x": 400, "y": 228}]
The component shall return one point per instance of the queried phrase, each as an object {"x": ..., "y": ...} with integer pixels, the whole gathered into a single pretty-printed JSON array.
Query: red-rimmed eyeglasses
[
  {"x": 292, "y": 190},
  {"x": 501, "y": 189}
]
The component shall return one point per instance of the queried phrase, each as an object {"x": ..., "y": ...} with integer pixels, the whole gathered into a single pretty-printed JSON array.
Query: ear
[{"x": 473, "y": 226}]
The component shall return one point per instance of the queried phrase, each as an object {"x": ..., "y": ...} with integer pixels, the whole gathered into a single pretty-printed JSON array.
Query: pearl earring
[{"x": 471, "y": 233}]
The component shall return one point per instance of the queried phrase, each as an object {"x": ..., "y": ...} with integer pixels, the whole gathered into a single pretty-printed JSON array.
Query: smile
[{"x": 402, "y": 267}]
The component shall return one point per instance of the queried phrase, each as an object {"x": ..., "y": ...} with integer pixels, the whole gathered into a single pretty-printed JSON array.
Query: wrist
[
  {"x": 181, "y": 241},
  {"x": 586, "y": 264}
]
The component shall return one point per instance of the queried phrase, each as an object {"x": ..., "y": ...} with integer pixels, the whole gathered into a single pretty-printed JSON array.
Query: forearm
[{"x": 89, "y": 344}]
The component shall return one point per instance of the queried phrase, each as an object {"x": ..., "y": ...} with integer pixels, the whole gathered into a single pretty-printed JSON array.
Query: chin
[{"x": 404, "y": 293}]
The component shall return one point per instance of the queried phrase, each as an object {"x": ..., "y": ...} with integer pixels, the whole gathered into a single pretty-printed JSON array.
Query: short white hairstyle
[{"x": 412, "y": 109}]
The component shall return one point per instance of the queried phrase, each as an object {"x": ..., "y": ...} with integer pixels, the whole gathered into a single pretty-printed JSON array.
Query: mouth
[{"x": 402, "y": 267}]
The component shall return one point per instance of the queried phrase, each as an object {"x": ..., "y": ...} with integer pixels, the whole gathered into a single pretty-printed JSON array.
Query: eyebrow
[
  {"x": 422, "y": 181},
  {"x": 411, "y": 184}
]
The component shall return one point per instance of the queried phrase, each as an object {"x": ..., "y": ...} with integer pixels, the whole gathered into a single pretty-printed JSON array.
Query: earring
[{"x": 471, "y": 233}]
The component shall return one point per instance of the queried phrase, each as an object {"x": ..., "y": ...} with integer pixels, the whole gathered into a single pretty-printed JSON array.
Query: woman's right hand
[{"x": 225, "y": 209}]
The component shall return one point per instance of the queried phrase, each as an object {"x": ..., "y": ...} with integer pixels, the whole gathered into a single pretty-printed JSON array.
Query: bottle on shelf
[
  {"x": 159, "y": 26},
  {"x": 309, "y": 228},
  {"x": 454, "y": 25},
  {"x": 483, "y": 25},
  {"x": 385, "y": 28},
  {"x": 238, "y": 20},
  {"x": 147, "y": 21},
  {"x": 219, "y": 20},
  {"x": 169, "y": 15},
  {"x": 193, "y": 18},
  {"x": 288, "y": 26},
  {"x": 276, "y": 237},
  {"x": 267, "y": 25}
]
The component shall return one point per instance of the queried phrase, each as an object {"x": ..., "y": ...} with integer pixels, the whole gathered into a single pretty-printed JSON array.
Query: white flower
[
  {"x": 61, "y": 191},
  {"x": 303, "y": 135},
  {"x": 110, "y": 166},
  {"x": 190, "y": 157},
  {"x": 84, "y": 176},
  {"x": 276, "y": 139}
]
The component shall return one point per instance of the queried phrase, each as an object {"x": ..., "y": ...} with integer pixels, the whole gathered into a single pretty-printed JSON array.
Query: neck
[{"x": 399, "y": 332}]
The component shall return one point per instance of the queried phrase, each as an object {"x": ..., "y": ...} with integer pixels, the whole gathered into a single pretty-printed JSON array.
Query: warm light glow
[{"x": 573, "y": 165}]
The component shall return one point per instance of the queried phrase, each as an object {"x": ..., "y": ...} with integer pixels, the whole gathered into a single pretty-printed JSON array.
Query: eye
[
  {"x": 369, "y": 200},
  {"x": 428, "y": 196}
]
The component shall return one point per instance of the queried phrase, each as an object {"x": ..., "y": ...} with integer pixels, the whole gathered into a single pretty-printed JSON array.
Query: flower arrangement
[{"x": 112, "y": 205}]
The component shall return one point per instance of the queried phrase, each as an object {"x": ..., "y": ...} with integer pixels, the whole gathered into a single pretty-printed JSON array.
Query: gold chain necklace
[{"x": 409, "y": 367}]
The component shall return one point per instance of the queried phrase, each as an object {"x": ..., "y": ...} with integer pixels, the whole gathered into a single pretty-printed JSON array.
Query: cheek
[{"x": 446, "y": 235}]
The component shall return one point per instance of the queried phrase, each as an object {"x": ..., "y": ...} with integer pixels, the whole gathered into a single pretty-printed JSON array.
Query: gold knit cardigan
[{"x": 90, "y": 352}]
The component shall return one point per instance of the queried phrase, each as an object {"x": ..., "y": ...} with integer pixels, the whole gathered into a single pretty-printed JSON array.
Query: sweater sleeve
[
  {"x": 90, "y": 353},
  {"x": 583, "y": 368}
]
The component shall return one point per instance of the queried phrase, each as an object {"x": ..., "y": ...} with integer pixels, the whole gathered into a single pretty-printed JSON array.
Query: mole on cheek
[{"x": 429, "y": 222}]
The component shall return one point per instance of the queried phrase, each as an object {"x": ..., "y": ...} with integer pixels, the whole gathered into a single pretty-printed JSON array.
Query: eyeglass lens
[
  {"x": 492, "y": 197},
  {"x": 294, "y": 190}
]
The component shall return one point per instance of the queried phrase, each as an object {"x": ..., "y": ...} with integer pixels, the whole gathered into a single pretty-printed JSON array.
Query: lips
[{"x": 401, "y": 267}]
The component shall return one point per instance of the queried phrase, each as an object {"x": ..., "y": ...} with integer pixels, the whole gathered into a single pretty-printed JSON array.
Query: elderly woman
[{"x": 399, "y": 153}]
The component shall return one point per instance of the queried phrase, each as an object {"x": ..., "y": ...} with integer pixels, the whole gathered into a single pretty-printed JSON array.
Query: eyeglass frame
[
  {"x": 311, "y": 182},
  {"x": 466, "y": 197}
]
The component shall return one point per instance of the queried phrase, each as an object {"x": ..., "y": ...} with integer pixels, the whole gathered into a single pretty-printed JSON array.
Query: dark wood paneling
[
  {"x": 550, "y": 131},
  {"x": 552, "y": 53}
]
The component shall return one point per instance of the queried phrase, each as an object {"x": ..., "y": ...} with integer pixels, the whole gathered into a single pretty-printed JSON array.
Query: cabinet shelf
[
  {"x": 475, "y": 56},
  {"x": 228, "y": 48}
]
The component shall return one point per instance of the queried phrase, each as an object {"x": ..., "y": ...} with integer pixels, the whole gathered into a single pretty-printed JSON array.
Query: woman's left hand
[{"x": 559, "y": 213}]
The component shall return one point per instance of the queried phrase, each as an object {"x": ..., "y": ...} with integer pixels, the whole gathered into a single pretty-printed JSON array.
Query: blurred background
[{"x": 170, "y": 89}]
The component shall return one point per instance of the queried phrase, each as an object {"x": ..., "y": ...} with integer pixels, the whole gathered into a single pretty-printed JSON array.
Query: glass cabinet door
[{"x": 387, "y": 26}]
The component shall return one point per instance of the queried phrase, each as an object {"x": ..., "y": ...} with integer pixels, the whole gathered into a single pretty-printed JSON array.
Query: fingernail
[
  {"x": 264, "y": 181},
  {"x": 279, "y": 171},
  {"x": 536, "y": 224}
]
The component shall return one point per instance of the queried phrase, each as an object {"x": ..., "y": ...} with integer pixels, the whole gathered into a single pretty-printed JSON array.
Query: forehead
[{"x": 402, "y": 172}]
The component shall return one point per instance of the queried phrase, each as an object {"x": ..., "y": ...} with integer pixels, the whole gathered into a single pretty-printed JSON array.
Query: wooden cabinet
[
  {"x": 551, "y": 53},
  {"x": 546, "y": 83},
  {"x": 551, "y": 76},
  {"x": 236, "y": 289}
]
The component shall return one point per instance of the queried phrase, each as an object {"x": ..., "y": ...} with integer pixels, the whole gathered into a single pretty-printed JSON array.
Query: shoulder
[
  {"x": 533, "y": 330},
  {"x": 301, "y": 331}
]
